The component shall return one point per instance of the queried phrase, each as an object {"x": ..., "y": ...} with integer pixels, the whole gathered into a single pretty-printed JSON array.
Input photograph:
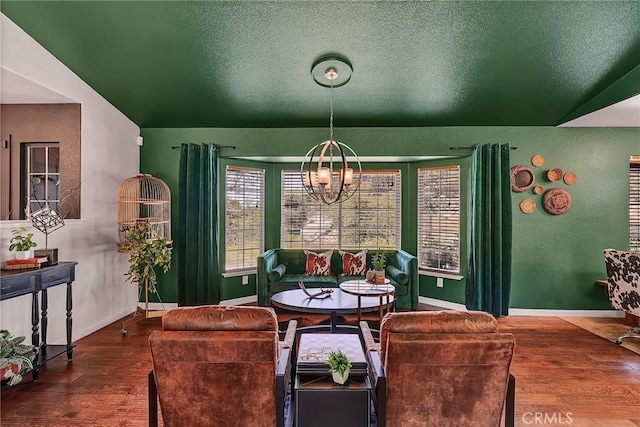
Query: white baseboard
[
  {"x": 240, "y": 301},
  {"x": 89, "y": 329},
  {"x": 528, "y": 311},
  {"x": 170, "y": 305}
]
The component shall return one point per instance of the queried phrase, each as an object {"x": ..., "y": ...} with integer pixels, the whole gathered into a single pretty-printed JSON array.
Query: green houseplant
[
  {"x": 147, "y": 251},
  {"x": 21, "y": 243},
  {"x": 378, "y": 262},
  {"x": 339, "y": 365},
  {"x": 15, "y": 357}
]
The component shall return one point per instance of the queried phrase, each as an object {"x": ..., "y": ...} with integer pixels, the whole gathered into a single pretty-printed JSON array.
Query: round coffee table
[
  {"x": 337, "y": 302},
  {"x": 363, "y": 289}
]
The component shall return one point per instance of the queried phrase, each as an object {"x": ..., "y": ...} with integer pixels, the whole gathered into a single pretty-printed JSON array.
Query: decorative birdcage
[{"x": 144, "y": 198}]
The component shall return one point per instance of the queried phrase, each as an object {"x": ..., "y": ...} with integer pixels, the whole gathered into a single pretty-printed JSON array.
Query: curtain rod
[
  {"x": 215, "y": 146},
  {"x": 473, "y": 148}
]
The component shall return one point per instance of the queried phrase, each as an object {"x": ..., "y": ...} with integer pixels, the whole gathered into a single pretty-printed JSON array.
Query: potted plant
[
  {"x": 378, "y": 262},
  {"x": 15, "y": 357},
  {"x": 147, "y": 250},
  {"x": 21, "y": 243},
  {"x": 339, "y": 365}
]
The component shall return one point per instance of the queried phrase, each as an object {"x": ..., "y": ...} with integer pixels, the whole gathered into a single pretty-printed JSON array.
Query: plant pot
[
  {"x": 340, "y": 379},
  {"x": 22, "y": 254},
  {"x": 379, "y": 276}
]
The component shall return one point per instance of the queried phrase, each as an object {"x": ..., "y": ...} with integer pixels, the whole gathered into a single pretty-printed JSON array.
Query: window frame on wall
[
  {"x": 441, "y": 261},
  {"x": 373, "y": 214},
  {"x": 46, "y": 179},
  {"x": 634, "y": 204},
  {"x": 248, "y": 186}
]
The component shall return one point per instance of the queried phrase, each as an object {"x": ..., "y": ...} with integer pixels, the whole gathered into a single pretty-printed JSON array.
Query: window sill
[
  {"x": 450, "y": 276},
  {"x": 236, "y": 273}
]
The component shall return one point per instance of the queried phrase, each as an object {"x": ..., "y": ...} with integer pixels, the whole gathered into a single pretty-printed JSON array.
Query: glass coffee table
[
  {"x": 363, "y": 289},
  {"x": 335, "y": 303}
]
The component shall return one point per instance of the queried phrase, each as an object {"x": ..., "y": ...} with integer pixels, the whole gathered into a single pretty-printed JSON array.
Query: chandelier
[{"x": 325, "y": 171}]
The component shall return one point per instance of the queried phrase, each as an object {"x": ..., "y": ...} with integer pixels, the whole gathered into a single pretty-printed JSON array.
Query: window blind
[
  {"x": 368, "y": 220},
  {"x": 244, "y": 217},
  {"x": 439, "y": 219},
  {"x": 634, "y": 206}
]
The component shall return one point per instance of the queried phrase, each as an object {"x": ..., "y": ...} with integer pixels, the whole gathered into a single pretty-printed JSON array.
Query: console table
[{"x": 14, "y": 283}]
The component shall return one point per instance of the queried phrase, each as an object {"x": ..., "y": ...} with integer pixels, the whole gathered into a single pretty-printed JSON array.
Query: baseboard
[
  {"x": 239, "y": 301},
  {"x": 88, "y": 330},
  {"x": 159, "y": 306},
  {"x": 543, "y": 312}
]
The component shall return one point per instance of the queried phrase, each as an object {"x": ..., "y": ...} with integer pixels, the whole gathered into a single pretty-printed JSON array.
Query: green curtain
[
  {"x": 489, "y": 275},
  {"x": 197, "y": 239}
]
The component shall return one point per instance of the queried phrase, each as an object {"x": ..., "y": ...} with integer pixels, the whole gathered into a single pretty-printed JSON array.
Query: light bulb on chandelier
[{"x": 325, "y": 171}]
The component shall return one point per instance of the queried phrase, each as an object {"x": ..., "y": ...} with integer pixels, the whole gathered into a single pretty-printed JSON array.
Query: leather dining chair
[
  {"x": 220, "y": 366},
  {"x": 441, "y": 368},
  {"x": 623, "y": 285}
]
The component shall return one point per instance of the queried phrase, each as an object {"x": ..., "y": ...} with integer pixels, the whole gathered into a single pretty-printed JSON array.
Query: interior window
[{"x": 634, "y": 204}]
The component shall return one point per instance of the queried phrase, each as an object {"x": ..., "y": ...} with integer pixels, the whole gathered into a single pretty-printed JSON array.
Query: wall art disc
[
  {"x": 557, "y": 201},
  {"x": 537, "y": 160},
  {"x": 570, "y": 178},
  {"x": 522, "y": 178},
  {"x": 528, "y": 206},
  {"x": 538, "y": 189},
  {"x": 554, "y": 175}
]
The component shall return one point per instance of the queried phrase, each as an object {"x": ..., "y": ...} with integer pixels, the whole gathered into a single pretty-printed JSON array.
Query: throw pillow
[
  {"x": 354, "y": 264},
  {"x": 318, "y": 264}
]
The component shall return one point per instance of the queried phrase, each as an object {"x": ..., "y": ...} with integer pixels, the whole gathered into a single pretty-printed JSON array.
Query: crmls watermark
[{"x": 552, "y": 418}]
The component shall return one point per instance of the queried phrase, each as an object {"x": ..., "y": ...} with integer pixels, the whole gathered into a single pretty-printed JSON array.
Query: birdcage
[{"x": 144, "y": 198}]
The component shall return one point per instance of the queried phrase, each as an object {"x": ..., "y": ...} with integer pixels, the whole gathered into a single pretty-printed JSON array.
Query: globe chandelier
[{"x": 331, "y": 170}]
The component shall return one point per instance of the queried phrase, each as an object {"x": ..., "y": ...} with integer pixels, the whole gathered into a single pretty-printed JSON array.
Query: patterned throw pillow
[
  {"x": 354, "y": 264},
  {"x": 318, "y": 264}
]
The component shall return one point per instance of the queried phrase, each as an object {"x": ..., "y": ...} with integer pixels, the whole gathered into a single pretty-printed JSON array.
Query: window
[
  {"x": 42, "y": 173},
  {"x": 439, "y": 219},
  {"x": 368, "y": 220},
  {"x": 244, "y": 217},
  {"x": 634, "y": 204}
]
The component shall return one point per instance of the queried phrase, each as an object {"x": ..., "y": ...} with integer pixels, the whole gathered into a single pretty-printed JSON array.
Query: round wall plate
[
  {"x": 321, "y": 66},
  {"x": 522, "y": 178}
]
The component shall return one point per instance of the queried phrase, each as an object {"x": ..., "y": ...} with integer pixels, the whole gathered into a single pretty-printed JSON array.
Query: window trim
[
  {"x": 430, "y": 271},
  {"x": 634, "y": 207},
  {"x": 245, "y": 269}
]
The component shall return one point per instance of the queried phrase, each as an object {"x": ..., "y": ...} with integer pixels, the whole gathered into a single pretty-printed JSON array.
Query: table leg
[
  {"x": 359, "y": 309},
  {"x": 44, "y": 320},
  {"x": 380, "y": 310},
  {"x": 35, "y": 336},
  {"x": 69, "y": 322},
  {"x": 334, "y": 322}
]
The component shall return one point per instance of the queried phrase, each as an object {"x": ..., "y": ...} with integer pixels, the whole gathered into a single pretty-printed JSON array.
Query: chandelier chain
[{"x": 331, "y": 112}]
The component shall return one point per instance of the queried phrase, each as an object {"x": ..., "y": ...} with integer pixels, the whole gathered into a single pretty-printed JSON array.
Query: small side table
[
  {"x": 362, "y": 288},
  {"x": 320, "y": 402}
]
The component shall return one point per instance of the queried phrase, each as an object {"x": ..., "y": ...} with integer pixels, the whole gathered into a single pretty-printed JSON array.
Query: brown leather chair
[
  {"x": 220, "y": 366},
  {"x": 441, "y": 368}
]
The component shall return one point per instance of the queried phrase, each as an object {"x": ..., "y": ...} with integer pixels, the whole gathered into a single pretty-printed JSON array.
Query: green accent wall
[{"x": 556, "y": 259}]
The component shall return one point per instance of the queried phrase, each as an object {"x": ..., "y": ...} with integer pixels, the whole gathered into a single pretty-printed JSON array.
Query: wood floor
[{"x": 565, "y": 376}]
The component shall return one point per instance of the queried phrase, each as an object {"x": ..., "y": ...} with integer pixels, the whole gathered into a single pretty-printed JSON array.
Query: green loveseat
[{"x": 282, "y": 269}]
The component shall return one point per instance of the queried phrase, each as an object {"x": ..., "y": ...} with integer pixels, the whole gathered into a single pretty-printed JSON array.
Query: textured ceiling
[{"x": 247, "y": 64}]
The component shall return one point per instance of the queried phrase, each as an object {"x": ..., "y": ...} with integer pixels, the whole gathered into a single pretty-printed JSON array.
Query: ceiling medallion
[{"x": 325, "y": 171}]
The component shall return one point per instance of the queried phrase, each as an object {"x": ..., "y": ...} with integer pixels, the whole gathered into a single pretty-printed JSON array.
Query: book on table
[
  {"x": 314, "y": 349},
  {"x": 22, "y": 264}
]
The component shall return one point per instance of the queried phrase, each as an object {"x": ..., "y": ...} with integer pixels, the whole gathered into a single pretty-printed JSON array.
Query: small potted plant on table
[
  {"x": 21, "y": 243},
  {"x": 339, "y": 365},
  {"x": 378, "y": 262}
]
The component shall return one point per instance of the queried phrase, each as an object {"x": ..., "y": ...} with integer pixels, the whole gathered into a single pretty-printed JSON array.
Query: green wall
[{"x": 556, "y": 259}]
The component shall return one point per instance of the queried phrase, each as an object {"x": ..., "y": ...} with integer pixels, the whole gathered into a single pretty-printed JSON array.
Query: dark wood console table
[{"x": 15, "y": 283}]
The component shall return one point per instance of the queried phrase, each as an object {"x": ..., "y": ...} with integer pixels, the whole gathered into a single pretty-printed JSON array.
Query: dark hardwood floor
[{"x": 565, "y": 376}]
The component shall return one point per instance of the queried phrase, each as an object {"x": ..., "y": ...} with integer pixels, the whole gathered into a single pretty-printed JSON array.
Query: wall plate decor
[
  {"x": 538, "y": 189},
  {"x": 554, "y": 175},
  {"x": 557, "y": 201},
  {"x": 537, "y": 160},
  {"x": 522, "y": 178},
  {"x": 570, "y": 178},
  {"x": 528, "y": 206}
]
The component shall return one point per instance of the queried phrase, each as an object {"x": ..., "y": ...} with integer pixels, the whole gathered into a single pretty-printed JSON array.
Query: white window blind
[
  {"x": 634, "y": 206},
  {"x": 244, "y": 217},
  {"x": 368, "y": 220},
  {"x": 439, "y": 219}
]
